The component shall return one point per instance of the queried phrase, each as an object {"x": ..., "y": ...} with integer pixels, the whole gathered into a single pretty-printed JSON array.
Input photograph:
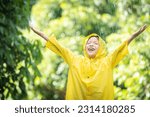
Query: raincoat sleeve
[
  {"x": 54, "y": 46},
  {"x": 116, "y": 56}
]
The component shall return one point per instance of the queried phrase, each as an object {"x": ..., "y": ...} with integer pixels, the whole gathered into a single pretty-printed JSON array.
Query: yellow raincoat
[{"x": 89, "y": 79}]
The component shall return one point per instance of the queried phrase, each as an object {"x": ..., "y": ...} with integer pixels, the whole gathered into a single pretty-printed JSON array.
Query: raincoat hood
[{"x": 102, "y": 52}]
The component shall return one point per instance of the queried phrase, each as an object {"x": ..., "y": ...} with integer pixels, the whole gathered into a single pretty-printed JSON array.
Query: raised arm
[
  {"x": 134, "y": 35},
  {"x": 116, "y": 56},
  {"x": 55, "y": 46},
  {"x": 39, "y": 33}
]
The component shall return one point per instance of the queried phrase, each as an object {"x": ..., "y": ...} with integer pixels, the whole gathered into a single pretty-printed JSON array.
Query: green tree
[
  {"x": 18, "y": 57},
  {"x": 24, "y": 76}
]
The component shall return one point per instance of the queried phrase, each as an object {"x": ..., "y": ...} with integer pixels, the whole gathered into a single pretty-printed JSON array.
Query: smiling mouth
[{"x": 91, "y": 49}]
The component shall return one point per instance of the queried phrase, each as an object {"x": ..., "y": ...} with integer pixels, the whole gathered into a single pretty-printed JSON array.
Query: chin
[{"x": 91, "y": 56}]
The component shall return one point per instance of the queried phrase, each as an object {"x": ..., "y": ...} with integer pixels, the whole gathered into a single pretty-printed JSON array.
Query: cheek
[{"x": 97, "y": 48}]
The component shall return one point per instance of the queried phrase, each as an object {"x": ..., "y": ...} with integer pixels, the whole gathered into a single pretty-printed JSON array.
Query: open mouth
[{"x": 91, "y": 49}]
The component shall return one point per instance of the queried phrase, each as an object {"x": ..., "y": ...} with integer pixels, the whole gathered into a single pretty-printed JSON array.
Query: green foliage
[
  {"x": 17, "y": 54},
  {"x": 24, "y": 75}
]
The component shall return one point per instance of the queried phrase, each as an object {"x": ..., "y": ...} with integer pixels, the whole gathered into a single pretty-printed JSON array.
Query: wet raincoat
[{"x": 89, "y": 79}]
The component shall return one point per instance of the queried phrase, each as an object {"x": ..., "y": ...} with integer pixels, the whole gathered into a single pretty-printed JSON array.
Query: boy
[{"x": 90, "y": 76}]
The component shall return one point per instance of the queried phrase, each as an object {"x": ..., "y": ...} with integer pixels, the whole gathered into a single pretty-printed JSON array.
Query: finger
[
  {"x": 143, "y": 28},
  {"x": 145, "y": 25}
]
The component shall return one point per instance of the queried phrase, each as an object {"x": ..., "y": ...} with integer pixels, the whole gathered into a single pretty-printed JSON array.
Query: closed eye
[{"x": 96, "y": 43}]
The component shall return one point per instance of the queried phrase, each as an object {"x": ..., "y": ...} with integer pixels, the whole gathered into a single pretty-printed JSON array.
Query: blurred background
[{"x": 28, "y": 70}]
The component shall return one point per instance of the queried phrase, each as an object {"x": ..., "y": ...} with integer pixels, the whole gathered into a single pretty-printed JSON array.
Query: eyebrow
[{"x": 93, "y": 41}]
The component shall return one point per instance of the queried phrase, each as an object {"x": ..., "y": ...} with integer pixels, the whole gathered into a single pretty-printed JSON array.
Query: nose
[{"x": 91, "y": 44}]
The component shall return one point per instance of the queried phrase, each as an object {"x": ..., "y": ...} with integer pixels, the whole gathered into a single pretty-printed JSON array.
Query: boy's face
[{"x": 92, "y": 47}]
